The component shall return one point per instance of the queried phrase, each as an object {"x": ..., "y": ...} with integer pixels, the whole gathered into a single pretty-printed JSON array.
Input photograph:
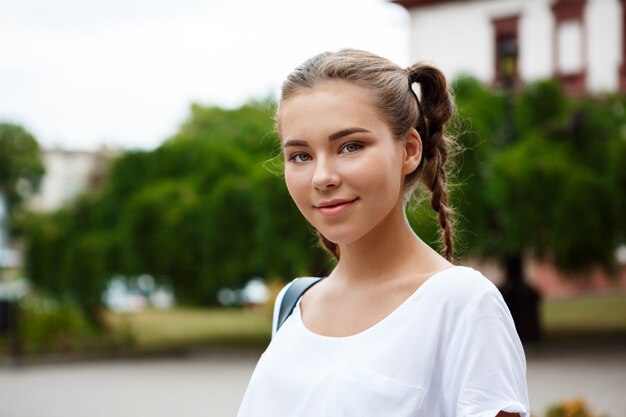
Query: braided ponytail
[{"x": 435, "y": 108}]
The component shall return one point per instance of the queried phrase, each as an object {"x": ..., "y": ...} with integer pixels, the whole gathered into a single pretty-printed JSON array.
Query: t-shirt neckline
[{"x": 339, "y": 339}]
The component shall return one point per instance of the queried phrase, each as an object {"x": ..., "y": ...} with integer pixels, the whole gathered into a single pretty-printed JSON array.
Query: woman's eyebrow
[
  {"x": 346, "y": 132},
  {"x": 337, "y": 135},
  {"x": 295, "y": 143}
]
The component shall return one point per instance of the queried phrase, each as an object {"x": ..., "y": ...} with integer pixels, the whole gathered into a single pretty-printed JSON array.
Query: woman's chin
[{"x": 341, "y": 238}]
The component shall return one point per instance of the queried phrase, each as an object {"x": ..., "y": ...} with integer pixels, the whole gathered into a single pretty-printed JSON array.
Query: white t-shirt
[{"x": 449, "y": 350}]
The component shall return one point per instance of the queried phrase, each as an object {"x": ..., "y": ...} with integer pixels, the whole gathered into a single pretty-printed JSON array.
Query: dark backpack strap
[{"x": 298, "y": 287}]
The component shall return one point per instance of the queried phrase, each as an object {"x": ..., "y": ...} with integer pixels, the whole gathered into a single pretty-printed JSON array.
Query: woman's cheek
[{"x": 298, "y": 189}]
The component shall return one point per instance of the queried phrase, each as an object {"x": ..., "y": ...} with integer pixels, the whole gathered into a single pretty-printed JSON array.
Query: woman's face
[{"x": 343, "y": 167}]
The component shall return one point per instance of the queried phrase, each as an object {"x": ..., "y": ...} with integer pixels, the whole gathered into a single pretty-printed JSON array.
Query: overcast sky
[{"x": 81, "y": 73}]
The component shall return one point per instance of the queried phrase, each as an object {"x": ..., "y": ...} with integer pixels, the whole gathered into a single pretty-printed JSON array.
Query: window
[
  {"x": 570, "y": 61},
  {"x": 506, "y": 50}
]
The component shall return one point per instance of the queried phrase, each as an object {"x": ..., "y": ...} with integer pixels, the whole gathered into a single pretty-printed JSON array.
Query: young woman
[{"x": 395, "y": 330}]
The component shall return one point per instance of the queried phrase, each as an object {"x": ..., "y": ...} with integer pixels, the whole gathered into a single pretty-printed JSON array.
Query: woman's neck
[{"x": 390, "y": 250}]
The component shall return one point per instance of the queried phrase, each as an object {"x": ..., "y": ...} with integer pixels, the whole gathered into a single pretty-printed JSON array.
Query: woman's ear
[{"x": 412, "y": 151}]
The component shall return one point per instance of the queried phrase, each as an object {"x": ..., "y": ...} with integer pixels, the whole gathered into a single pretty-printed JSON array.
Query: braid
[
  {"x": 435, "y": 178},
  {"x": 435, "y": 109}
]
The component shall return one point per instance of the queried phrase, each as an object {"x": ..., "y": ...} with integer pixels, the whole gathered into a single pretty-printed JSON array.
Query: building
[
  {"x": 582, "y": 43},
  {"x": 69, "y": 173}
]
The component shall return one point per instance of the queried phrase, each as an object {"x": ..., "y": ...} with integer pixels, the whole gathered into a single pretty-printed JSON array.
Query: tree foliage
[
  {"x": 198, "y": 213},
  {"x": 21, "y": 167},
  {"x": 558, "y": 191}
]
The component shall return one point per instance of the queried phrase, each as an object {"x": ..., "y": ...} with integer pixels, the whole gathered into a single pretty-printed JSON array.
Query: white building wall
[
  {"x": 67, "y": 175},
  {"x": 604, "y": 28},
  {"x": 571, "y": 54},
  {"x": 536, "y": 27},
  {"x": 458, "y": 37}
]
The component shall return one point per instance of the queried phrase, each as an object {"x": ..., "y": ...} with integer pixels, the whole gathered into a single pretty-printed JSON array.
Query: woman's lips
[{"x": 335, "y": 209}]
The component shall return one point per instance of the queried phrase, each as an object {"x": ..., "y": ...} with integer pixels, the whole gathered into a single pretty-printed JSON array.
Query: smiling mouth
[{"x": 334, "y": 209}]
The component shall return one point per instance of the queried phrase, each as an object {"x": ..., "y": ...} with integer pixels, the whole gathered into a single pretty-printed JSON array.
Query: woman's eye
[
  {"x": 351, "y": 147},
  {"x": 300, "y": 157}
]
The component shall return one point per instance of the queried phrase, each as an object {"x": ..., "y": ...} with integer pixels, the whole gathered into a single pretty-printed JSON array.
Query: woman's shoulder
[{"x": 460, "y": 285}]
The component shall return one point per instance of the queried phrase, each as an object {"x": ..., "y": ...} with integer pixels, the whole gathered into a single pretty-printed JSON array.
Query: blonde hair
[{"x": 392, "y": 89}]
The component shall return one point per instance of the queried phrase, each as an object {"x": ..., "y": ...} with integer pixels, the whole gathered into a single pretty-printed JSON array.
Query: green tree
[
  {"x": 66, "y": 256},
  {"x": 200, "y": 212},
  {"x": 21, "y": 167},
  {"x": 558, "y": 189},
  {"x": 21, "y": 170},
  {"x": 523, "y": 198}
]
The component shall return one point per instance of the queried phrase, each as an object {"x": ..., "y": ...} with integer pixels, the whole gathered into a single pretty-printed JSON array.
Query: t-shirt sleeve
[{"x": 485, "y": 367}]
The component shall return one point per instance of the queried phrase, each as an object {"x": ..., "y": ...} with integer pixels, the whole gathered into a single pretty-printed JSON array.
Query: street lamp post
[
  {"x": 523, "y": 300},
  {"x": 508, "y": 73}
]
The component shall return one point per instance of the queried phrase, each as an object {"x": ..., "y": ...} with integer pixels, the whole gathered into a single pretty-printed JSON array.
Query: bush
[
  {"x": 47, "y": 326},
  {"x": 570, "y": 408}
]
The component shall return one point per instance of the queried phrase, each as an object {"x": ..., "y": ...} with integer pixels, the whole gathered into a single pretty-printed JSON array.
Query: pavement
[
  {"x": 596, "y": 374},
  {"x": 211, "y": 384}
]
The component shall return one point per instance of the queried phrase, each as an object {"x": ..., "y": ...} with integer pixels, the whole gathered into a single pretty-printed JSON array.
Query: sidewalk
[
  {"x": 594, "y": 373},
  {"x": 212, "y": 385}
]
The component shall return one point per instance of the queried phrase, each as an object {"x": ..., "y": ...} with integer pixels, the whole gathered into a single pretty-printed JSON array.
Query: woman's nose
[{"x": 325, "y": 175}]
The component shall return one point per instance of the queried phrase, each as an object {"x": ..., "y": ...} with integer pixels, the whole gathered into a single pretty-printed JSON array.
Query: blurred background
[{"x": 145, "y": 229}]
